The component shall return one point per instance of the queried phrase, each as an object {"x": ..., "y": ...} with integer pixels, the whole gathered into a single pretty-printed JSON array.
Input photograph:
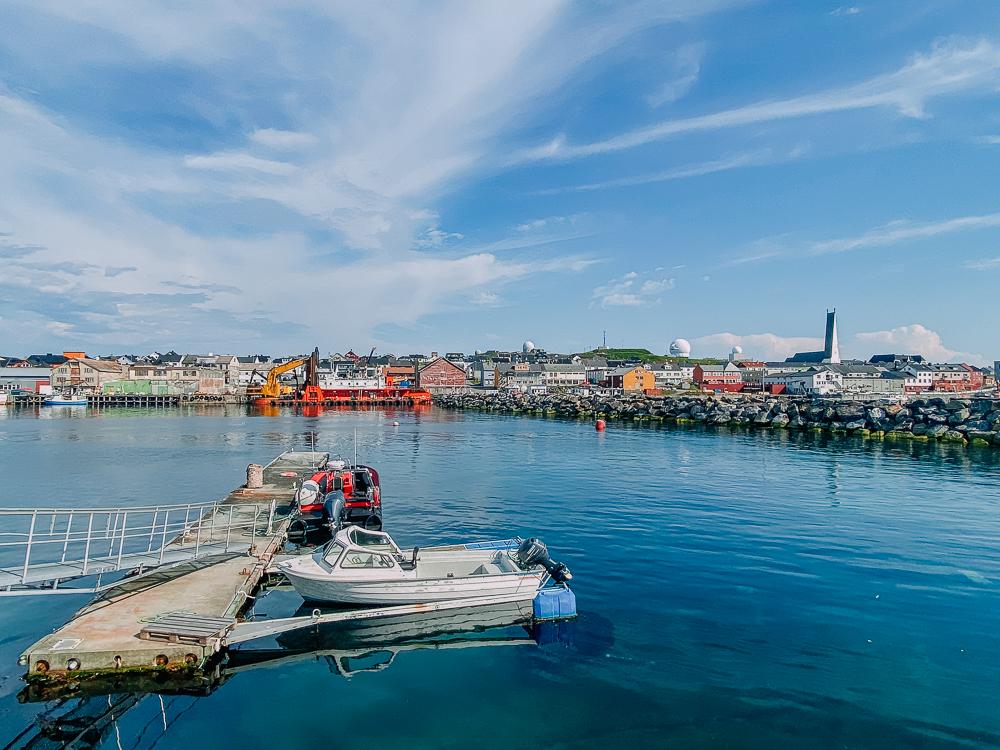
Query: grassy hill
[{"x": 644, "y": 355}]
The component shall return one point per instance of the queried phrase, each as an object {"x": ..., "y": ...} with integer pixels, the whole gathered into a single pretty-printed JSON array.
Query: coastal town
[{"x": 531, "y": 369}]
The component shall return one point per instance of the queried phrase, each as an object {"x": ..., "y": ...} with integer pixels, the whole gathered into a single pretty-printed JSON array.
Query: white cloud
[
  {"x": 369, "y": 142},
  {"x": 632, "y": 290},
  {"x": 752, "y": 159},
  {"x": 950, "y": 67},
  {"x": 238, "y": 161},
  {"x": 434, "y": 237},
  {"x": 846, "y": 10},
  {"x": 985, "y": 264},
  {"x": 282, "y": 139},
  {"x": 769, "y": 347},
  {"x": 915, "y": 339},
  {"x": 485, "y": 298},
  {"x": 901, "y": 231},
  {"x": 684, "y": 67},
  {"x": 989, "y": 140}
]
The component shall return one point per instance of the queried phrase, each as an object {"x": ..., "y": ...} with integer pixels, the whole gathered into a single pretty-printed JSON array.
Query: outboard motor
[
  {"x": 333, "y": 504},
  {"x": 533, "y": 552}
]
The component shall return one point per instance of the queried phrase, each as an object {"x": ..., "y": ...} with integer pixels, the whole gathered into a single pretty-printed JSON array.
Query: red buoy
[{"x": 599, "y": 425}]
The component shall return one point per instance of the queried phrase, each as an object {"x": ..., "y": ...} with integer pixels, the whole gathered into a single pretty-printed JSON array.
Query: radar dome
[
  {"x": 528, "y": 346},
  {"x": 680, "y": 348},
  {"x": 737, "y": 350}
]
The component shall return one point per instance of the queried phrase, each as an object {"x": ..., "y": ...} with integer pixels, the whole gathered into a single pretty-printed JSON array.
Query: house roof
[
  {"x": 101, "y": 365},
  {"x": 442, "y": 359}
]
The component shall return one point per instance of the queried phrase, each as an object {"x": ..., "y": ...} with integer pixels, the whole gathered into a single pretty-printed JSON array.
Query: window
[
  {"x": 371, "y": 539},
  {"x": 358, "y": 559},
  {"x": 333, "y": 553}
]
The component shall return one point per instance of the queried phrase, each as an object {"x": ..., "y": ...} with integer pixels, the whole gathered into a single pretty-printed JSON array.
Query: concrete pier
[{"x": 118, "y": 631}]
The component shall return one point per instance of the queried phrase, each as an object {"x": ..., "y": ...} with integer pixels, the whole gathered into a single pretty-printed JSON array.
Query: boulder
[
  {"x": 849, "y": 412},
  {"x": 980, "y": 437},
  {"x": 936, "y": 430},
  {"x": 780, "y": 420},
  {"x": 855, "y": 425},
  {"x": 958, "y": 416}
]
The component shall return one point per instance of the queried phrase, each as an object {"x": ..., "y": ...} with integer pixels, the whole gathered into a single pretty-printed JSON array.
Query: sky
[{"x": 253, "y": 177}]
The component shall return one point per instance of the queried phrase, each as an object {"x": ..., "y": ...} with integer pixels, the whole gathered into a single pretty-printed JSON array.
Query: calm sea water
[{"x": 735, "y": 590}]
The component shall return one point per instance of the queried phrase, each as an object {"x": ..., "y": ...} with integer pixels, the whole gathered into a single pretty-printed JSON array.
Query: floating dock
[
  {"x": 172, "y": 580},
  {"x": 125, "y": 626}
]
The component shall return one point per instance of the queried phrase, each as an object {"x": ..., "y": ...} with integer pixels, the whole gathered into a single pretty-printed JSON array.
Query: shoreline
[{"x": 960, "y": 421}]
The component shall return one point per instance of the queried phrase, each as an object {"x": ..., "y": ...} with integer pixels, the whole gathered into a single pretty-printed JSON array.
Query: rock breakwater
[{"x": 958, "y": 420}]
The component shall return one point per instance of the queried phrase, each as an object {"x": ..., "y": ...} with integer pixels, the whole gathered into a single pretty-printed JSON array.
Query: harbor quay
[{"x": 965, "y": 421}]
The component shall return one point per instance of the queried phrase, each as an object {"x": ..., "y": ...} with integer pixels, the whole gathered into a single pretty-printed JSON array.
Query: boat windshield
[
  {"x": 372, "y": 540},
  {"x": 333, "y": 552}
]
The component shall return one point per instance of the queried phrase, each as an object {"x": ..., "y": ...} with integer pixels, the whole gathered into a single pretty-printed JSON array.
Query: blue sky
[{"x": 238, "y": 176}]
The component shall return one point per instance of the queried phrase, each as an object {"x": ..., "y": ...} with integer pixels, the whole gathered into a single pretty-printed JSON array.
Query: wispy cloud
[
  {"x": 950, "y": 67},
  {"x": 632, "y": 290},
  {"x": 237, "y": 161},
  {"x": 750, "y": 159},
  {"x": 684, "y": 65},
  {"x": 902, "y": 231},
  {"x": 984, "y": 264},
  {"x": 846, "y": 10},
  {"x": 282, "y": 139}
]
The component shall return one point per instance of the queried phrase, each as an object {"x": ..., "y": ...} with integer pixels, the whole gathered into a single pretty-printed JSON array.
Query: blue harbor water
[{"x": 736, "y": 590}]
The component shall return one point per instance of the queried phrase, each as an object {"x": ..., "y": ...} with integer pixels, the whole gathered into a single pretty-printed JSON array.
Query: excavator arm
[{"x": 272, "y": 387}]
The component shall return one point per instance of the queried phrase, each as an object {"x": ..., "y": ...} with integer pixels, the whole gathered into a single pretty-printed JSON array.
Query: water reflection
[{"x": 85, "y": 712}]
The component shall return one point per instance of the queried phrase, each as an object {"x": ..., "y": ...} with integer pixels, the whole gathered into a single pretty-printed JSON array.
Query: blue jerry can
[{"x": 555, "y": 603}]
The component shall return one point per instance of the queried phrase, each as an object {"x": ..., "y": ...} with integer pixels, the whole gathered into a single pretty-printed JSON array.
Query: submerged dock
[{"x": 167, "y": 616}]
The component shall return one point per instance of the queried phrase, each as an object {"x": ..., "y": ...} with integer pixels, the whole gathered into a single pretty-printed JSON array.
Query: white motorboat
[
  {"x": 66, "y": 398},
  {"x": 367, "y": 567}
]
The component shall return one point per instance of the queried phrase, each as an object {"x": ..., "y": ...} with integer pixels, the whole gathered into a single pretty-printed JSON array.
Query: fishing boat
[
  {"x": 66, "y": 398},
  {"x": 360, "y": 566}
]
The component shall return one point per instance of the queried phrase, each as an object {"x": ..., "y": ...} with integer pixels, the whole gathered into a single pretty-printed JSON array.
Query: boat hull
[{"x": 317, "y": 589}]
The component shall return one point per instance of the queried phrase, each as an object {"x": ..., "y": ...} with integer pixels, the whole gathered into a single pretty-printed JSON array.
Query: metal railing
[{"x": 40, "y": 548}]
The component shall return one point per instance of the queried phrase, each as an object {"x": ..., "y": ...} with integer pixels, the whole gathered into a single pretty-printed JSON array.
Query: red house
[
  {"x": 719, "y": 377},
  {"x": 441, "y": 374}
]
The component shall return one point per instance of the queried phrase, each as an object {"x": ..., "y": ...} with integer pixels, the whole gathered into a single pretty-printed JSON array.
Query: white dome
[
  {"x": 680, "y": 348},
  {"x": 737, "y": 350},
  {"x": 528, "y": 346}
]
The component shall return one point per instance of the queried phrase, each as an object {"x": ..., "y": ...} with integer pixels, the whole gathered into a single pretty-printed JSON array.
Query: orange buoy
[{"x": 599, "y": 425}]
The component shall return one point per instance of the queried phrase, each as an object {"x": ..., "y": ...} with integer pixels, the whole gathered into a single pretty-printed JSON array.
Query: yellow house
[{"x": 636, "y": 378}]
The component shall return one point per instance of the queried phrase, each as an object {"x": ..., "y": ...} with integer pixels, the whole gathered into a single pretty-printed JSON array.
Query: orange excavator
[{"x": 272, "y": 387}]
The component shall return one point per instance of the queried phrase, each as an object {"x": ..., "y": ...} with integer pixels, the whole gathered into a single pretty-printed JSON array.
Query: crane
[{"x": 272, "y": 387}]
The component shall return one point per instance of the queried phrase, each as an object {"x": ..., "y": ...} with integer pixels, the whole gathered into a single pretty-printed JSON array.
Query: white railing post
[
  {"x": 27, "y": 551},
  {"x": 270, "y": 516},
  {"x": 229, "y": 527},
  {"x": 197, "y": 541},
  {"x": 163, "y": 536},
  {"x": 121, "y": 544},
  {"x": 152, "y": 529},
  {"x": 69, "y": 525},
  {"x": 86, "y": 548}
]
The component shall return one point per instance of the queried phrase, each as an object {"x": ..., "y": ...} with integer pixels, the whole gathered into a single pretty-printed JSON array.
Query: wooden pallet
[{"x": 186, "y": 627}]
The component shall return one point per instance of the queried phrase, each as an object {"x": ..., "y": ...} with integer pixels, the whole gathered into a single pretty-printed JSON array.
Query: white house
[{"x": 816, "y": 381}]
